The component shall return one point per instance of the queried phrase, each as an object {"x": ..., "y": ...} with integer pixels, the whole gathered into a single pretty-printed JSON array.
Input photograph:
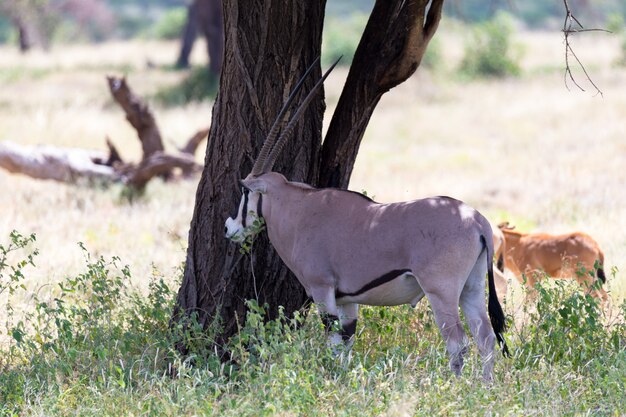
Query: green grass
[{"x": 91, "y": 345}]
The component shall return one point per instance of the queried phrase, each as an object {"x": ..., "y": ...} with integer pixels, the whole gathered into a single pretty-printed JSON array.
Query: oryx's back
[{"x": 362, "y": 240}]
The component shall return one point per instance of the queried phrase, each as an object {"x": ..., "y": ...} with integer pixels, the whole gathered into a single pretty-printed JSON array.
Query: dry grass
[{"x": 525, "y": 150}]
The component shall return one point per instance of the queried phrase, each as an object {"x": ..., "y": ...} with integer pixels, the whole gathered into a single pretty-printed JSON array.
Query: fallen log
[
  {"x": 60, "y": 164},
  {"x": 72, "y": 164},
  {"x": 157, "y": 164}
]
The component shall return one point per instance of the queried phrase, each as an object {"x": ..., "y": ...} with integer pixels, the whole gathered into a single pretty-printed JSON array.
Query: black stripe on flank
[{"x": 389, "y": 276}]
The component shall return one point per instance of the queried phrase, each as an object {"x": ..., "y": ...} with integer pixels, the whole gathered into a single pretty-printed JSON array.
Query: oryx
[{"x": 346, "y": 250}]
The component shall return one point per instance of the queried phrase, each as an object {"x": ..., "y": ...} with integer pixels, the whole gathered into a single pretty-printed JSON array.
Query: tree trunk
[
  {"x": 211, "y": 24},
  {"x": 268, "y": 47},
  {"x": 24, "y": 37},
  {"x": 206, "y": 16},
  {"x": 390, "y": 50},
  {"x": 189, "y": 36}
]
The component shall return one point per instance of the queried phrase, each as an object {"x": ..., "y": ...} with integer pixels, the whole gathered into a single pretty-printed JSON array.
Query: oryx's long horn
[
  {"x": 292, "y": 123},
  {"x": 278, "y": 124}
]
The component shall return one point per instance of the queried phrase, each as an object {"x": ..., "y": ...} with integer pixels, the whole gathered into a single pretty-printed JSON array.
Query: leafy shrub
[
  {"x": 433, "y": 58},
  {"x": 621, "y": 59},
  {"x": 92, "y": 324},
  {"x": 615, "y": 23},
  {"x": 6, "y": 29},
  {"x": 341, "y": 38},
  {"x": 171, "y": 23},
  {"x": 488, "y": 51},
  {"x": 200, "y": 84},
  {"x": 569, "y": 326}
]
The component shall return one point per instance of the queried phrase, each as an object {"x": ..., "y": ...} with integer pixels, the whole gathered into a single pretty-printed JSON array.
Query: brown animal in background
[
  {"x": 571, "y": 255},
  {"x": 498, "y": 270}
]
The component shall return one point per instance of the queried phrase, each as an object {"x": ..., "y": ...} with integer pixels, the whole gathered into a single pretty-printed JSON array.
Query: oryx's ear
[{"x": 254, "y": 184}]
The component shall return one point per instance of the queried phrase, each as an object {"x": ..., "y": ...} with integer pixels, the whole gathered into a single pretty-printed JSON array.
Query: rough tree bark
[{"x": 267, "y": 48}]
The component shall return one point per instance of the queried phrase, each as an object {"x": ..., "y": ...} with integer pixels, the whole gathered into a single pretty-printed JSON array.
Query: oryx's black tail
[{"x": 496, "y": 315}]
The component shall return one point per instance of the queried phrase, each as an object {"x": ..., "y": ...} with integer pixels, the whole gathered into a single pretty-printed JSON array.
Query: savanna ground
[{"x": 522, "y": 149}]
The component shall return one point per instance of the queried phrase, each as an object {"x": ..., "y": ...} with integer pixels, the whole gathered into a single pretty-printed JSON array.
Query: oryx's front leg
[
  {"x": 348, "y": 314},
  {"x": 324, "y": 298}
]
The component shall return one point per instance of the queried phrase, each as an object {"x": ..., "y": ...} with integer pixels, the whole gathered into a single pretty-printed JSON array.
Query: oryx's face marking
[{"x": 249, "y": 210}]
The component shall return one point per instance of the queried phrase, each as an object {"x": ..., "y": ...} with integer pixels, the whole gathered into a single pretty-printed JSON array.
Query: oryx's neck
[{"x": 283, "y": 205}]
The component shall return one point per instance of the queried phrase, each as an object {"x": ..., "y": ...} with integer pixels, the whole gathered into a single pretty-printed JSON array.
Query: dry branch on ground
[{"x": 72, "y": 164}]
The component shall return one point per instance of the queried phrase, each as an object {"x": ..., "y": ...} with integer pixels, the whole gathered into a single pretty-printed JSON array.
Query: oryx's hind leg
[
  {"x": 446, "y": 310},
  {"x": 475, "y": 311}
]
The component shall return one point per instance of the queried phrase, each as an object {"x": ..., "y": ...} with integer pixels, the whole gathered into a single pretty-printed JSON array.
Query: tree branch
[
  {"x": 157, "y": 164},
  {"x": 192, "y": 144},
  {"x": 570, "y": 20},
  {"x": 391, "y": 48},
  {"x": 138, "y": 114}
]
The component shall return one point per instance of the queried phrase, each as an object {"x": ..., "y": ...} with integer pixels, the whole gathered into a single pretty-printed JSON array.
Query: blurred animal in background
[
  {"x": 498, "y": 270},
  {"x": 531, "y": 256}
]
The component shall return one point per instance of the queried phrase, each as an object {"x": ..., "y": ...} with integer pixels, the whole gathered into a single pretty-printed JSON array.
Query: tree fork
[{"x": 391, "y": 48}]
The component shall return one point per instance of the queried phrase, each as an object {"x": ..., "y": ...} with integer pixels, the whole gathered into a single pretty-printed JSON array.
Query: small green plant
[
  {"x": 489, "y": 52},
  {"x": 92, "y": 344},
  {"x": 250, "y": 234},
  {"x": 12, "y": 279}
]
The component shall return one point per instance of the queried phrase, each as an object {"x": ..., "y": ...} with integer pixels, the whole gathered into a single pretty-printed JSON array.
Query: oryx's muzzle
[
  {"x": 245, "y": 222},
  {"x": 234, "y": 230}
]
